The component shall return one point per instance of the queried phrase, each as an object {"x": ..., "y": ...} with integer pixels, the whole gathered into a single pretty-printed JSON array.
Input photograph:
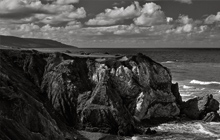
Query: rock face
[
  {"x": 62, "y": 81},
  {"x": 175, "y": 91},
  {"x": 47, "y": 96},
  {"x": 205, "y": 108},
  {"x": 129, "y": 87},
  {"x": 24, "y": 112}
]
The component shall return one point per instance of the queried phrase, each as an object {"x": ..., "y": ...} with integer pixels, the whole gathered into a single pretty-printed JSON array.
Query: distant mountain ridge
[{"x": 12, "y": 41}]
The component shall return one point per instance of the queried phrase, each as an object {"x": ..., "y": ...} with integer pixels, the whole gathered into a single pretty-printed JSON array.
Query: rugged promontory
[{"x": 51, "y": 95}]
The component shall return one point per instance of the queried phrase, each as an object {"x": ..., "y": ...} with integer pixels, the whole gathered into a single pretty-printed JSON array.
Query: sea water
[{"x": 198, "y": 73}]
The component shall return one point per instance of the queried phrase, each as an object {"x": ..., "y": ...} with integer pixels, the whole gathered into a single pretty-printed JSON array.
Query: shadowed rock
[
  {"x": 24, "y": 113},
  {"x": 211, "y": 116},
  {"x": 49, "y": 95},
  {"x": 199, "y": 107},
  {"x": 175, "y": 91},
  {"x": 102, "y": 96}
]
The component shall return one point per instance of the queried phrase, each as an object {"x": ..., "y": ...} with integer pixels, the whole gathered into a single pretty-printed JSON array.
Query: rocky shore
[{"x": 54, "y": 96}]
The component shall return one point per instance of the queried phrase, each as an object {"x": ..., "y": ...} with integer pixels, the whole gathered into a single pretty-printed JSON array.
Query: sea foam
[
  {"x": 204, "y": 82},
  {"x": 201, "y": 129},
  {"x": 168, "y": 62},
  {"x": 188, "y": 87}
]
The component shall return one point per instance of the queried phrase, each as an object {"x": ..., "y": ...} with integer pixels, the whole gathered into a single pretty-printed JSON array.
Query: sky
[{"x": 115, "y": 23}]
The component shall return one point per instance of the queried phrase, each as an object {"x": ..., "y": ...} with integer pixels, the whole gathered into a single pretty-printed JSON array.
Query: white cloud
[
  {"x": 147, "y": 15},
  {"x": 169, "y": 19},
  {"x": 185, "y": 1},
  {"x": 213, "y": 18},
  {"x": 185, "y": 19},
  {"x": 202, "y": 28},
  {"x": 33, "y": 11},
  {"x": 112, "y": 16},
  {"x": 185, "y": 25},
  {"x": 64, "y": 17},
  {"x": 18, "y": 7},
  {"x": 67, "y": 1},
  {"x": 127, "y": 30},
  {"x": 28, "y": 27},
  {"x": 186, "y": 28},
  {"x": 100, "y": 21},
  {"x": 150, "y": 14}
]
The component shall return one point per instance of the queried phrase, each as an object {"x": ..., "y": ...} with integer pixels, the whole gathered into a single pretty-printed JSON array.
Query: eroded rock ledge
[{"x": 49, "y": 95}]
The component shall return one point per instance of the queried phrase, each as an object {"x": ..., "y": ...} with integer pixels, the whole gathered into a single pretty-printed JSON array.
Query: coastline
[{"x": 161, "y": 132}]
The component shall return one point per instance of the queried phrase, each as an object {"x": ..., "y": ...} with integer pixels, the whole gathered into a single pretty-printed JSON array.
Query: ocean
[{"x": 198, "y": 73}]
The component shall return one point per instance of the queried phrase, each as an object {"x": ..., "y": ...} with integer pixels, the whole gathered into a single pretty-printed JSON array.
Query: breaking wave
[
  {"x": 203, "y": 130},
  {"x": 168, "y": 62},
  {"x": 188, "y": 87},
  {"x": 204, "y": 82}
]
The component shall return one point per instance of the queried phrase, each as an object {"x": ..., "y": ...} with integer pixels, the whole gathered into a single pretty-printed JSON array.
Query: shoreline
[{"x": 114, "y": 57}]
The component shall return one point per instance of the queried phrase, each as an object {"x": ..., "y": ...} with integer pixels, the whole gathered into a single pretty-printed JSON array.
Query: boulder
[{"x": 197, "y": 108}]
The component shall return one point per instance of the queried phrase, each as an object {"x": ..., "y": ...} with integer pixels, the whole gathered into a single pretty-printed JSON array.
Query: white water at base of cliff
[{"x": 193, "y": 130}]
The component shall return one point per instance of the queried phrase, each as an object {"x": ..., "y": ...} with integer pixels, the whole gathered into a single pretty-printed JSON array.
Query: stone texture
[
  {"x": 211, "y": 116},
  {"x": 24, "y": 112},
  {"x": 126, "y": 89},
  {"x": 49, "y": 95},
  {"x": 197, "y": 108},
  {"x": 175, "y": 91}
]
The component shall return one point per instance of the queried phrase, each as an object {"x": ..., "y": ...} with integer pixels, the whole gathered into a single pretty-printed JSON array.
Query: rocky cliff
[{"x": 50, "y": 95}]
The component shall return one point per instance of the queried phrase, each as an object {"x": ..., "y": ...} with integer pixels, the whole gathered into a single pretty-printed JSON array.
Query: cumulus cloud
[
  {"x": 185, "y": 28},
  {"x": 185, "y": 1},
  {"x": 28, "y": 27},
  {"x": 213, "y": 18},
  {"x": 150, "y": 14},
  {"x": 184, "y": 19},
  {"x": 64, "y": 17},
  {"x": 169, "y": 19},
  {"x": 202, "y": 28},
  {"x": 33, "y": 11},
  {"x": 127, "y": 30},
  {"x": 112, "y": 16},
  {"x": 147, "y": 15},
  {"x": 17, "y": 9},
  {"x": 184, "y": 25}
]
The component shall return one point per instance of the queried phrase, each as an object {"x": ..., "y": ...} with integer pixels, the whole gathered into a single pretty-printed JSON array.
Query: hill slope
[{"x": 12, "y": 41}]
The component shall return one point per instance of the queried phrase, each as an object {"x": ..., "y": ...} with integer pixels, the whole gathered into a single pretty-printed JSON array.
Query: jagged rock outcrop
[
  {"x": 205, "y": 108},
  {"x": 104, "y": 96},
  {"x": 125, "y": 88},
  {"x": 175, "y": 91},
  {"x": 48, "y": 95}
]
